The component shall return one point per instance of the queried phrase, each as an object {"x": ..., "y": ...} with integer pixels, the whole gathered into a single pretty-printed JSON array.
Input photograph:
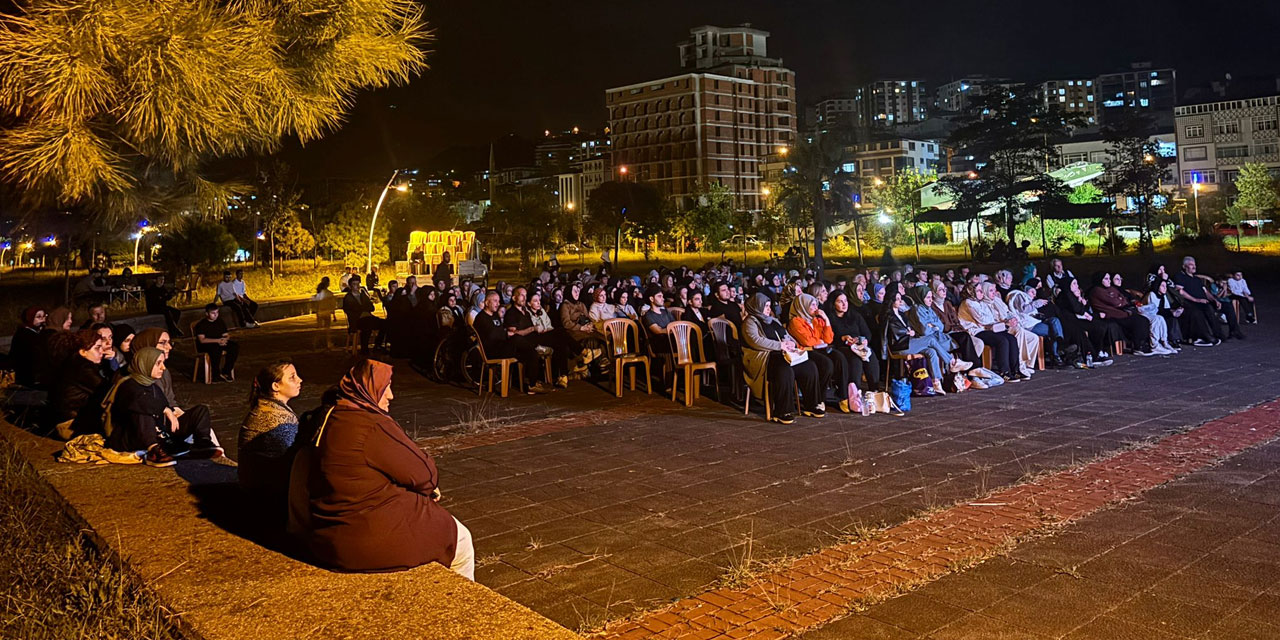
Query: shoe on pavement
[
  {"x": 958, "y": 365},
  {"x": 562, "y": 382},
  {"x": 937, "y": 388},
  {"x": 816, "y": 412},
  {"x": 157, "y": 457},
  {"x": 206, "y": 453},
  {"x": 785, "y": 418},
  {"x": 1146, "y": 354},
  {"x": 844, "y": 407},
  {"x": 1201, "y": 342},
  {"x": 1101, "y": 363}
]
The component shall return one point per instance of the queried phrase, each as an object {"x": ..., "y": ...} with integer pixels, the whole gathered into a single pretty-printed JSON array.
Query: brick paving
[
  {"x": 1198, "y": 558},
  {"x": 589, "y": 508},
  {"x": 825, "y": 585}
]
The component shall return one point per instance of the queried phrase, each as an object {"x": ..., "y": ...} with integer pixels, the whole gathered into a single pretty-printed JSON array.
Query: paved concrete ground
[
  {"x": 1198, "y": 558},
  {"x": 586, "y": 508}
]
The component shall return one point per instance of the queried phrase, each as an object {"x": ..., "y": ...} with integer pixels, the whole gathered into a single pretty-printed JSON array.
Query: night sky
[{"x": 506, "y": 66}]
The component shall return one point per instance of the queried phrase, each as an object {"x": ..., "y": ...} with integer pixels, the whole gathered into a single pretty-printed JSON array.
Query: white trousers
[{"x": 464, "y": 555}]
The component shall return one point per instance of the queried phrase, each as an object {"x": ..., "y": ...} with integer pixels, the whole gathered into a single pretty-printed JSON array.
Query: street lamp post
[
  {"x": 1195, "y": 189},
  {"x": 374, "y": 223},
  {"x": 617, "y": 238}
]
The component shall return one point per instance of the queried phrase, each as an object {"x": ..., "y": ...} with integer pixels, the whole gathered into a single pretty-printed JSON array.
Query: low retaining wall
[
  {"x": 267, "y": 311},
  {"x": 184, "y": 530}
]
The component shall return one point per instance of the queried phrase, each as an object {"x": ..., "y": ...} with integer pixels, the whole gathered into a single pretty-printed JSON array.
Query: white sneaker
[
  {"x": 958, "y": 365},
  {"x": 937, "y": 388}
]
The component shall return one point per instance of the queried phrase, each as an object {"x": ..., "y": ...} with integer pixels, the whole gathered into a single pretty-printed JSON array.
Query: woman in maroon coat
[
  {"x": 1112, "y": 305},
  {"x": 370, "y": 493}
]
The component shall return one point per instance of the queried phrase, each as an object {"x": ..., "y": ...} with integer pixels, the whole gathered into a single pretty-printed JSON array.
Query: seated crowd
[
  {"x": 848, "y": 328},
  {"x": 359, "y": 495}
]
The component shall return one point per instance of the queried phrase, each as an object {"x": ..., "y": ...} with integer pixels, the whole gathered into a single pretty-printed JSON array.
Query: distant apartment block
[
  {"x": 1074, "y": 97},
  {"x": 1141, "y": 89},
  {"x": 715, "y": 124},
  {"x": 891, "y": 102}
]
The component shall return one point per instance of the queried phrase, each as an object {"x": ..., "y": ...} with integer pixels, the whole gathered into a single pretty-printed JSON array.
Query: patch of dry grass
[{"x": 56, "y": 583}]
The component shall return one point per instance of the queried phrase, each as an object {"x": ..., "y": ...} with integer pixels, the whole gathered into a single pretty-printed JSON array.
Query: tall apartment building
[
  {"x": 958, "y": 95},
  {"x": 890, "y": 102},
  {"x": 832, "y": 112},
  {"x": 1142, "y": 88},
  {"x": 1073, "y": 97},
  {"x": 1215, "y": 139},
  {"x": 558, "y": 152},
  {"x": 716, "y": 123}
]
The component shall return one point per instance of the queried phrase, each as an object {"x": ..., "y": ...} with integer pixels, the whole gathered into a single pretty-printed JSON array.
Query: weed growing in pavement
[
  {"x": 57, "y": 583},
  {"x": 744, "y": 568},
  {"x": 858, "y": 532},
  {"x": 534, "y": 544},
  {"x": 488, "y": 559},
  {"x": 475, "y": 416},
  {"x": 1072, "y": 571}
]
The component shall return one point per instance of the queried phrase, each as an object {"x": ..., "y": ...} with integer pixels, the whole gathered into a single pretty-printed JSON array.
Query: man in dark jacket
[
  {"x": 504, "y": 342},
  {"x": 358, "y": 307},
  {"x": 158, "y": 296}
]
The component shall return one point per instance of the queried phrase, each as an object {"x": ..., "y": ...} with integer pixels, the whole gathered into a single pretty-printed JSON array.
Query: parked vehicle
[
  {"x": 1133, "y": 233},
  {"x": 1228, "y": 229},
  {"x": 738, "y": 240}
]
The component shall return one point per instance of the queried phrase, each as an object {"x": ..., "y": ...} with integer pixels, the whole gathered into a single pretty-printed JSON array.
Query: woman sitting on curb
[
  {"x": 267, "y": 435},
  {"x": 364, "y": 497},
  {"x": 143, "y": 420}
]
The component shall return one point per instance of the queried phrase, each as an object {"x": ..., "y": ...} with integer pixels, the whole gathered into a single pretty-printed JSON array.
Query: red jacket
[{"x": 807, "y": 335}]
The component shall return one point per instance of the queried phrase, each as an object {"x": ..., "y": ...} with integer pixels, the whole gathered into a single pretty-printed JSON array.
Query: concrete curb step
[{"x": 183, "y": 530}]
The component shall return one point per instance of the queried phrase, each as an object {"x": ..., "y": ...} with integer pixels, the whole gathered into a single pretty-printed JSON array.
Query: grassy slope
[{"x": 56, "y": 584}]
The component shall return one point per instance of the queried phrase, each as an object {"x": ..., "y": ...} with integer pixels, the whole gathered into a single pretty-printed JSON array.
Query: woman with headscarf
[
  {"x": 477, "y": 304},
  {"x": 809, "y": 326},
  {"x": 143, "y": 420},
  {"x": 122, "y": 337},
  {"x": 853, "y": 341},
  {"x": 917, "y": 330},
  {"x": 24, "y": 349},
  {"x": 1114, "y": 306},
  {"x": 982, "y": 321},
  {"x": 601, "y": 309},
  {"x": 450, "y": 313},
  {"x": 266, "y": 437},
  {"x": 967, "y": 346},
  {"x": 764, "y": 340},
  {"x": 1078, "y": 317},
  {"x": 574, "y": 316},
  {"x": 364, "y": 497}
]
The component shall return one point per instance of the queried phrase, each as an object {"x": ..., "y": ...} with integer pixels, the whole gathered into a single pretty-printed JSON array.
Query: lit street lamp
[
  {"x": 1195, "y": 189},
  {"x": 401, "y": 188},
  {"x": 144, "y": 228}
]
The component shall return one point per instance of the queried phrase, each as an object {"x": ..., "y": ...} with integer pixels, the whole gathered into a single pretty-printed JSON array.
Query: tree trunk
[
  {"x": 1010, "y": 220},
  {"x": 819, "y": 232}
]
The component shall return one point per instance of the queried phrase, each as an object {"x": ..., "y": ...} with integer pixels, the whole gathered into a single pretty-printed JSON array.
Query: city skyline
[{"x": 541, "y": 70}]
